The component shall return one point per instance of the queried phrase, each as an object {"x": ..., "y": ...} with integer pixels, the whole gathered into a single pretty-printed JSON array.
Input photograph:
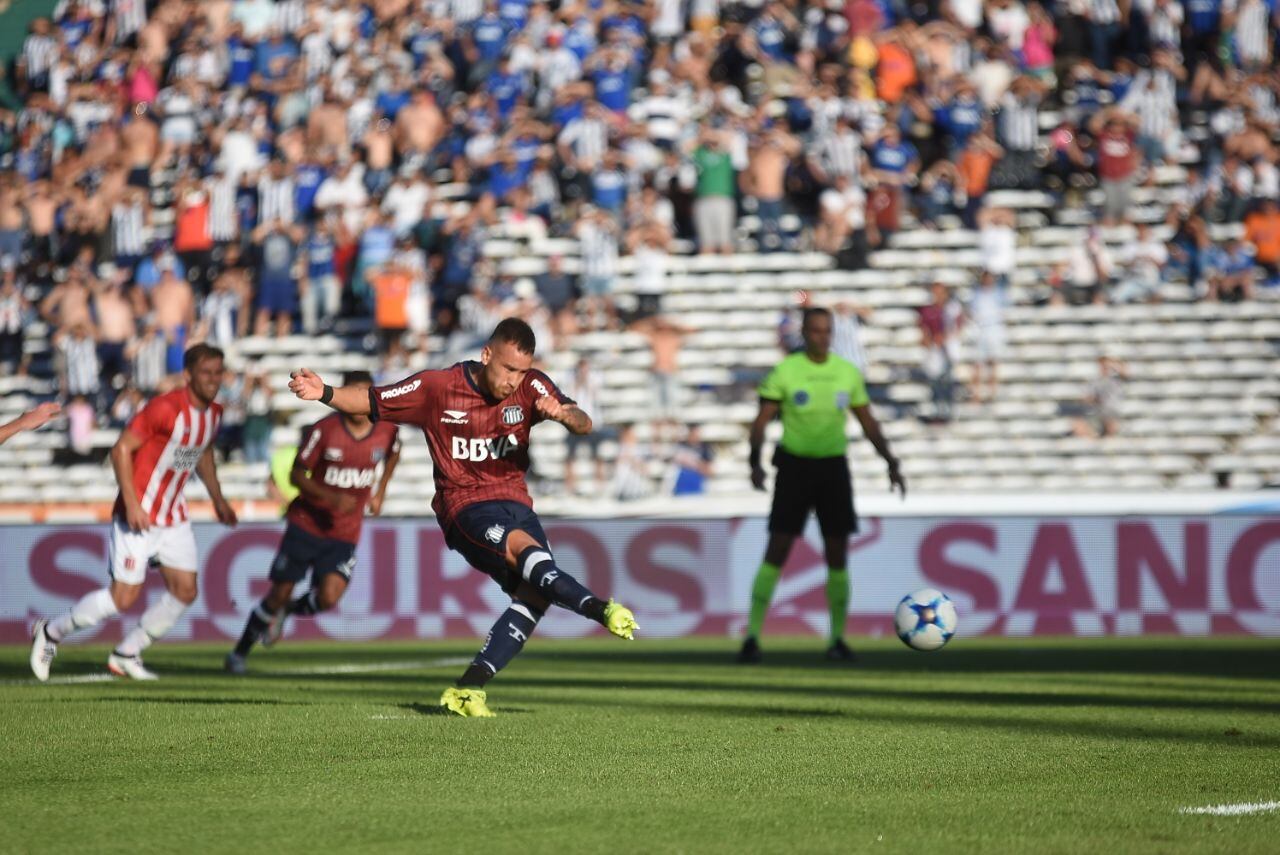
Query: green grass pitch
[{"x": 992, "y": 745}]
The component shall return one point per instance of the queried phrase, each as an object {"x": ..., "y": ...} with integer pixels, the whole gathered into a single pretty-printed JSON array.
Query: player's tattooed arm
[
  {"x": 307, "y": 385},
  {"x": 571, "y": 416}
]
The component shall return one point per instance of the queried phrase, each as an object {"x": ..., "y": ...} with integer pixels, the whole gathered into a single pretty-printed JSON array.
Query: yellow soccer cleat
[
  {"x": 469, "y": 703},
  {"x": 619, "y": 620}
]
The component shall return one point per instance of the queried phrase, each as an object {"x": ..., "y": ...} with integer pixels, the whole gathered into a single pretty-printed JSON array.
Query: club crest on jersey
[
  {"x": 454, "y": 417},
  {"x": 333, "y": 454},
  {"x": 842, "y": 400},
  {"x": 494, "y": 533},
  {"x": 378, "y": 455},
  {"x": 512, "y": 415}
]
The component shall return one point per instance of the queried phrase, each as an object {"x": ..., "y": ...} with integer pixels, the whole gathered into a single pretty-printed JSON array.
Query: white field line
[
  {"x": 1240, "y": 809},
  {"x": 63, "y": 681},
  {"x": 321, "y": 670},
  {"x": 372, "y": 667}
]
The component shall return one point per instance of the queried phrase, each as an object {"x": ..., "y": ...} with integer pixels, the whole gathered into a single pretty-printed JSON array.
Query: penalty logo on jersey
[{"x": 512, "y": 415}]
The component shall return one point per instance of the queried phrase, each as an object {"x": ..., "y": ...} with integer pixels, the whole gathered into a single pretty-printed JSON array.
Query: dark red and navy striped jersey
[
  {"x": 479, "y": 446},
  {"x": 341, "y": 461}
]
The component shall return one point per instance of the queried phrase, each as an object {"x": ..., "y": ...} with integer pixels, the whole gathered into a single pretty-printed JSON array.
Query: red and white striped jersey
[{"x": 174, "y": 433}]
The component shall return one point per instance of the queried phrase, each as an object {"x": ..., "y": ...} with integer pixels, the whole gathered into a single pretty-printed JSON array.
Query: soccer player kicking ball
[
  {"x": 476, "y": 417},
  {"x": 168, "y": 438},
  {"x": 813, "y": 390},
  {"x": 334, "y": 472}
]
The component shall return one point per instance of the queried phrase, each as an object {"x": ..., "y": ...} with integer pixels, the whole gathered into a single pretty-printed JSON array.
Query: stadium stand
[{"x": 1117, "y": 182}]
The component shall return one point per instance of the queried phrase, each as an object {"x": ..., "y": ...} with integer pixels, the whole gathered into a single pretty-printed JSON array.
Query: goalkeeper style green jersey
[{"x": 815, "y": 398}]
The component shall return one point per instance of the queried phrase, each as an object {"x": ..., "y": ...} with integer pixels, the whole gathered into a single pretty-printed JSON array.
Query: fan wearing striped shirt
[{"x": 166, "y": 441}]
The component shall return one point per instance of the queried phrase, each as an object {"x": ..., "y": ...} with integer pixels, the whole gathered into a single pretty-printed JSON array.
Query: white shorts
[{"x": 130, "y": 553}]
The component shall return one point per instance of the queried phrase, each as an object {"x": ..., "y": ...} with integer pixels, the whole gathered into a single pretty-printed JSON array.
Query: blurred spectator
[
  {"x": 650, "y": 256},
  {"x": 1118, "y": 160},
  {"x": 278, "y": 261},
  {"x": 586, "y": 387},
  {"x": 149, "y": 355},
  {"x": 986, "y": 314},
  {"x": 665, "y": 340},
  {"x": 79, "y": 356},
  {"x": 126, "y": 405},
  {"x": 192, "y": 236},
  {"x": 1090, "y": 269},
  {"x": 1141, "y": 268},
  {"x": 765, "y": 180},
  {"x": 81, "y": 420},
  {"x": 940, "y": 324},
  {"x": 1231, "y": 272},
  {"x": 1262, "y": 229},
  {"x": 320, "y": 287},
  {"x": 690, "y": 465},
  {"x": 14, "y": 313},
  {"x": 977, "y": 161},
  {"x": 392, "y": 284},
  {"x": 597, "y": 235},
  {"x": 631, "y": 479},
  {"x": 116, "y": 323},
  {"x": 257, "y": 419},
  {"x": 174, "y": 308},
  {"x": 844, "y": 229},
  {"x": 559, "y": 291},
  {"x": 1103, "y": 400},
  {"x": 998, "y": 244},
  {"x": 846, "y": 333},
  {"x": 714, "y": 210}
]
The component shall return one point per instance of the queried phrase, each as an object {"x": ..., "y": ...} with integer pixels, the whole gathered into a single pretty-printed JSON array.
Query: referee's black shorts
[{"x": 822, "y": 484}]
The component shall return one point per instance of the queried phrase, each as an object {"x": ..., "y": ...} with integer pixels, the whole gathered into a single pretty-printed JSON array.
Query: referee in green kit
[{"x": 813, "y": 390}]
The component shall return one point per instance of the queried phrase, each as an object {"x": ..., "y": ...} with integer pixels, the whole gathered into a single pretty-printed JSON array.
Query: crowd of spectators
[{"x": 177, "y": 171}]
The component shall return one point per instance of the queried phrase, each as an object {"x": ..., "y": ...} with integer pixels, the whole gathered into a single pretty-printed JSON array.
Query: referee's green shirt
[{"x": 815, "y": 398}]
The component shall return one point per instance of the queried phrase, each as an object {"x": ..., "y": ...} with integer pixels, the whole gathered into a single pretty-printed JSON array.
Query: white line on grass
[
  {"x": 320, "y": 670},
  {"x": 372, "y": 667},
  {"x": 62, "y": 681},
  {"x": 1239, "y": 809}
]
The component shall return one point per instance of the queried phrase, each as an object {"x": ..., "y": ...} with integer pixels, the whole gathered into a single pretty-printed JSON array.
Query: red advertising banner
[{"x": 1093, "y": 575}]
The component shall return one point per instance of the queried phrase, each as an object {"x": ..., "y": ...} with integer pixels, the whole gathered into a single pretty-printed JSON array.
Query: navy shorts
[
  {"x": 301, "y": 551},
  {"x": 479, "y": 533}
]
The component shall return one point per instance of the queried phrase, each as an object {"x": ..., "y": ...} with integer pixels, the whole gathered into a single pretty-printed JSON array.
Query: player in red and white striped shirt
[{"x": 169, "y": 438}]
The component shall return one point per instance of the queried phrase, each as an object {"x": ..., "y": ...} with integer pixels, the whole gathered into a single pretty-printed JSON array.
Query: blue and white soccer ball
[{"x": 925, "y": 619}]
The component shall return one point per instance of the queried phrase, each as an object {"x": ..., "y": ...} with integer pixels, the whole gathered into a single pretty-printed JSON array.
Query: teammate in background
[
  {"x": 334, "y": 472},
  {"x": 169, "y": 438},
  {"x": 476, "y": 417},
  {"x": 813, "y": 390},
  {"x": 36, "y": 417}
]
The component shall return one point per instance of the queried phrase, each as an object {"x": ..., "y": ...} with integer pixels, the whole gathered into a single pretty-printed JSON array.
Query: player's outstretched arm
[
  {"x": 871, "y": 429},
  {"x": 34, "y": 418},
  {"x": 309, "y": 386}
]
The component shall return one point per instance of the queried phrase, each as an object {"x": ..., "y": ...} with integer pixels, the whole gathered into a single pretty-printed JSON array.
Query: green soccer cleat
[
  {"x": 469, "y": 703},
  {"x": 619, "y": 620}
]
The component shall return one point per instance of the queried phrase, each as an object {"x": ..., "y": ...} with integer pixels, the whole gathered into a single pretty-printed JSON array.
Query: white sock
[
  {"x": 157, "y": 620},
  {"x": 91, "y": 610}
]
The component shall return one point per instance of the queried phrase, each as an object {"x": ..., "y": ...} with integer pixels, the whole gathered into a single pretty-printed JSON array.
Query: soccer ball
[{"x": 925, "y": 619}]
